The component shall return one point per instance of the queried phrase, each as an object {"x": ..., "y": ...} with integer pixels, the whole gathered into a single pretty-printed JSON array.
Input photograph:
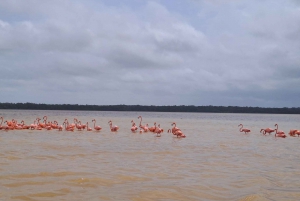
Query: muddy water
[{"x": 214, "y": 162}]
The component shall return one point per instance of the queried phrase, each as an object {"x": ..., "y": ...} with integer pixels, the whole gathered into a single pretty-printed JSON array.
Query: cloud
[{"x": 201, "y": 52}]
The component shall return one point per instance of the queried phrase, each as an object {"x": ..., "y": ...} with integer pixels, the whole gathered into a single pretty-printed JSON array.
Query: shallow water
[{"x": 214, "y": 162}]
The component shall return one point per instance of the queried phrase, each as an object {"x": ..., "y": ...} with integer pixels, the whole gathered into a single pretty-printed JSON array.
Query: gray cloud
[{"x": 152, "y": 53}]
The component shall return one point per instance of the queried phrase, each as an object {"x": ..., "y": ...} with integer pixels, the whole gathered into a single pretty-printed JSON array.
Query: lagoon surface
[{"x": 214, "y": 162}]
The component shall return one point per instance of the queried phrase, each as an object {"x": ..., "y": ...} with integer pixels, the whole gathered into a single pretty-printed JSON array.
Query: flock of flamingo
[
  {"x": 50, "y": 125},
  {"x": 269, "y": 131}
]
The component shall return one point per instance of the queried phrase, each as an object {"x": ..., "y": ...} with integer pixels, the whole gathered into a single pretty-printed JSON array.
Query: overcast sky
[{"x": 159, "y": 52}]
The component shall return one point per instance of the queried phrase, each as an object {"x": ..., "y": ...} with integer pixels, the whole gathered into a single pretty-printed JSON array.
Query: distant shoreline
[{"x": 151, "y": 108}]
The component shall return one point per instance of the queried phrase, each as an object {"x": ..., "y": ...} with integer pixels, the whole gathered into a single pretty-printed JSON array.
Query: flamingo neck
[{"x": 241, "y": 127}]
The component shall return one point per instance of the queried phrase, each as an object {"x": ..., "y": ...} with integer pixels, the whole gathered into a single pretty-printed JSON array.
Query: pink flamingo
[
  {"x": 113, "y": 128},
  {"x": 133, "y": 127},
  {"x": 78, "y": 126},
  {"x": 176, "y": 131},
  {"x": 67, "y": 128},
  {"x": 174, "y": 128},
  {"x": 152, "y": 129},
  {"x": 279, "y": 133},
  {"x": 60, "y": 128},
  {"x": 246, "y": 130},
  {"x": 9, "y": 126},
  {"x": 5, "y": 127},
  {"x": 72, "y": 125},
  {"x": 87, "y": 127},
  {"x": 40, "y": 124},
  {"x": 69, "y": 125},
  {"x": 97, "y": 128},
  {"x": 297, "y": 132},
  {"x": 293, "y": 132},
  {"x": 158, "y": 130},
  {"x": 145, "y": 127},
  {"x": 10, "y": 123},
  {"x": 82, "y": 125},
  {"x": 54, "y": 125},
  {"x": 267, "y": 130},
  {"x": 17, "y": 126},
  {"x": 49, "y": 126},
  {"x": 33, "y": 126},
  {"x": 45, "y": 122}
]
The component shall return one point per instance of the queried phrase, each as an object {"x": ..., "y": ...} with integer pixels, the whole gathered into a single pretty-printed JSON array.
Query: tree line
[{"x": 151, "y": 108}]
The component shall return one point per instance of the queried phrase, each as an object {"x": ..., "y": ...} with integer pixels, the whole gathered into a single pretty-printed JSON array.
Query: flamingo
[
  {"x": 33, "y": 126},
  {"x": 113, "y": 128},
  {"x": 10, "y": 123},
  {"x": 158, "y": 130},
  {"x": 267, "y": 130},
  {"x": 178, "y": 133},
  {"x": 152, "y": 129},
  {"x": 97, "y": 128},
  {"x": 48, "y": 125},
  {"x": 60, "y": 128},
  {"x": 4, "y": 127},
  {"x": 17, "y": 126},
  {"x": 87, "y": 127},
  {"x": 293, "y": 132},
  {"x": 67, "y": 128},
  {"x": 9, "y": 126},
  {"x": 279, "y": 133},
  {"x": 78, "y": 126},
  {"x": 40, "y": 124},
  {"x": 45, "y": 122},
  {"x": 174, "y": 128},
  {"x": 145, "y": 128},
  {"x": 246, "y": 130},
  {"x": 83, "y": 126},
  {"x": 54, "y": 125},
  {"x": 72, "y": 126},
  {"x": 297, "y": 132},
  {"x": 133, "y": 127},
  {"x": 69, "y": 125}
]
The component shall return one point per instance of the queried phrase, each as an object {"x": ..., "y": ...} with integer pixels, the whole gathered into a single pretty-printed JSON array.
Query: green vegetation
[{"x": 152, "y": 108}]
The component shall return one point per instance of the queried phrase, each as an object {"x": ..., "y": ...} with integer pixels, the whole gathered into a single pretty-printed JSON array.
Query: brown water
[{"x": 214, "y": 162}]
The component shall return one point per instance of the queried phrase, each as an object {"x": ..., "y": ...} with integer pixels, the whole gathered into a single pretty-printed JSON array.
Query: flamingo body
[{"x": 267, "y": 130}]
